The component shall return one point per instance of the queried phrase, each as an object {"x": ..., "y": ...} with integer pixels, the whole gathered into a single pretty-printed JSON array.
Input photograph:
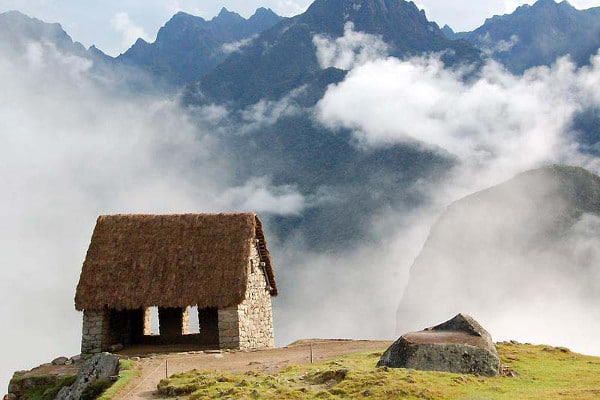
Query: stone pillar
[
  {"x": 229, "y": 328},
  {"x": 171, "y": 321},
  {"x": 91, "y": 339}
]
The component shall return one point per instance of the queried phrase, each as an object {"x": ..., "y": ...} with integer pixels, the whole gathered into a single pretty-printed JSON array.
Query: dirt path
[{"x": 154, "y": 368}]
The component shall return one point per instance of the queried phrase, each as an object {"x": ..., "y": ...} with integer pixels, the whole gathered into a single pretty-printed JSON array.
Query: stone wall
[
  {"x": 229, "y": 328},
  {"x": 93, "y": 324},
  {"x": 250, "y": 324}
]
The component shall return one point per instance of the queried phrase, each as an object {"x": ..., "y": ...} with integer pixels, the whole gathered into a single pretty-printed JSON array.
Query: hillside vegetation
[{"x": 543, "y": 372}]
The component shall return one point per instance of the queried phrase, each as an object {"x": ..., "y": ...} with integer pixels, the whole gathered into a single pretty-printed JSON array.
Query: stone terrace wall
[{"x": 250, "y": 324}]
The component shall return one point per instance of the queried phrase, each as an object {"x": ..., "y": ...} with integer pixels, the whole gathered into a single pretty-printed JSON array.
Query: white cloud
[
  {"x": 130, "y": 32},
  {"x": 268, "y": 112},
  {"x": 260, "y": 196},
  {"x": 234, "y": 47},
  {"x": 348, "y": 51},
  {"x": 503, "y": 46},
  {"x": 496, "y": 120}
]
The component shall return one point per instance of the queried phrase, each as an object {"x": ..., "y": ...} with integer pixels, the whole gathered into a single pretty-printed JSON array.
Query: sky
[{"x": 113, "y": 26}]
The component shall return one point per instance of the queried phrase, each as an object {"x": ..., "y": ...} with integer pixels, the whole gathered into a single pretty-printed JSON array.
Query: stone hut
[{"x": 217, "y": 262}]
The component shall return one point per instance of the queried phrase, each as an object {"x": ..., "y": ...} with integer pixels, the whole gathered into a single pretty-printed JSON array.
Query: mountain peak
[
  {"x": 449, "y": 32},
  {"x": 552, "y": 4},
  {"x": 262, "y": 11},
  {"x": 264, "y": 16},
  {"x": 373, "y": 16},
  {"x": 14, "y": 14},
  {"x": 183, "y": 16},
  {"x": 228, "y": 15}
]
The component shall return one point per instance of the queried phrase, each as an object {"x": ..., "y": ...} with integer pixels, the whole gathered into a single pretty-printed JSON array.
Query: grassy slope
[
  {"x": 127, "y": 372},
  {"x": 45, "y": 387},
  {"x": 545, "y": 373}
]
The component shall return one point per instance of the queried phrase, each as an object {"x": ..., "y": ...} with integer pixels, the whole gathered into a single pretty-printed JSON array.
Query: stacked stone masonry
[
  {"x": 93, "y": 322},
  {"x": 249, "y": 325}
]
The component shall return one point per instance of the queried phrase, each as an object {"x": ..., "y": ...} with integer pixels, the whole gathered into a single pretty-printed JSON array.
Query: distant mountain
[
  {"x": 17, "y": 30},
  {"x": 531, "y": 241},
  {"x": 450, "y": 34},
  {"x": 538, "y": 35},
  {"x": 188, "y": 47},
  {"x": 284, "y": 57}
]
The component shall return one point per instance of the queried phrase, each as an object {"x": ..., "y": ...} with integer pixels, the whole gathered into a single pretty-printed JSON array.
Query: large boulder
[
  {"x": 459, "y": 345},
  {"x": 99, "y": 367}
]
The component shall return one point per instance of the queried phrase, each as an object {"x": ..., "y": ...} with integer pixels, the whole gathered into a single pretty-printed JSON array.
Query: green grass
[
  {"x": 127, "y": 372},
  {"x": 545, "y": 373},
  {"x": 46, "y": 387}
]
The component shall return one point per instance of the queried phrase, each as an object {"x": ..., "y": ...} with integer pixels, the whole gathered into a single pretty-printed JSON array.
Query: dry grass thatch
[{"x": 137, "y": 261}]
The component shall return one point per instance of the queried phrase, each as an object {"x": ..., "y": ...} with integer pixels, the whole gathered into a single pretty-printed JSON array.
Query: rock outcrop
[
  {"x": 459, "y": 345},
  {"x": 99, "y": 367}
]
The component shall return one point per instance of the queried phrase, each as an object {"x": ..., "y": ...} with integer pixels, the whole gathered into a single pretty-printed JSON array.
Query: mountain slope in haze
[
  {"x": 17, "y": 31},
  {"x": 284, "y": 57},
  {"x": 525, "y": 250},
  {"x": 344, "y": 184},
  {"x": 23, "y": 36},
  {"x": 538, "y": 35},
  {"x": 188, "y": 47}
]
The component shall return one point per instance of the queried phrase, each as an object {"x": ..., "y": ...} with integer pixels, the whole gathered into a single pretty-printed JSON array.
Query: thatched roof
[{"x": 137, "y": 261}]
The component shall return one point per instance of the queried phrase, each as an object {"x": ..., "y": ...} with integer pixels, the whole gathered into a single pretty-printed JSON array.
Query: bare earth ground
[
  {"x": 49, "y": 369},
  {"x": 155, "y": 367}
]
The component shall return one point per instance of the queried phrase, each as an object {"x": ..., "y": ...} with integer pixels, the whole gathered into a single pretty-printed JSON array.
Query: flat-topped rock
[{"x": 460, "y": 345}]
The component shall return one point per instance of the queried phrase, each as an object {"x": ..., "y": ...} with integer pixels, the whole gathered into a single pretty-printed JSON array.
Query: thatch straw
[{"x": 138, "y": 261}]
